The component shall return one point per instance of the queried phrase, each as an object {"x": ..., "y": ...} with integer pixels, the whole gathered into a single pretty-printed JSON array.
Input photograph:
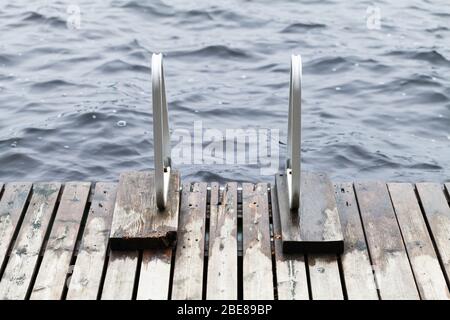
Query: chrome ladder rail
[
  {"x": 293, "y": 161},
  {"x": 161, "y": 134}
]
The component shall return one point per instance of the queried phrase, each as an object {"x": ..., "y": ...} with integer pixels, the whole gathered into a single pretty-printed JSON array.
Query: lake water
[{"x": 75, "y": 86}]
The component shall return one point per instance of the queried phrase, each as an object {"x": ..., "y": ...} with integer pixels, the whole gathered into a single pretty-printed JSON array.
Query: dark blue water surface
[{"x": 75, "y": 103}]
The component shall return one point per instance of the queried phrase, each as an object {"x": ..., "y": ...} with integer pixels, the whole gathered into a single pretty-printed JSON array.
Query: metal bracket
[
  {"x": 161, "y": 134},
  {"x": 294, "y": 133}
]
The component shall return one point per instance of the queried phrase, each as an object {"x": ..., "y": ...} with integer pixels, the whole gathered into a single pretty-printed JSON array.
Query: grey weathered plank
[
  {"x": 222, "y": 262},
  {"x": 87, "y": 273},
  {"x": 324, "y": 277},
  {"x": 51, "y": 279},
  {"x": 424, "y": 261},
  {"x": 437, "y": 212},
  {"x": 393, "y": 272},
  {"x": 315, "y": 227},
  {"x": 154, "y": 278},
  {"x": 189, "y": 257},
  {"x": 120, "y": 275},
  {"x": 447, "y": 187},
  {"x": 292, "y": 282},
  {"x": 12, "y": 207},
  {"x": 356, "y": 266},
  {"x": 257, "y": 259},
  {"x": 22, "y": 262},
  {"x": 137, "y": 222}
]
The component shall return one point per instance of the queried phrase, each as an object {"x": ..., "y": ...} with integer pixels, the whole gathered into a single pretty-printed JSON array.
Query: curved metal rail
[
  {"x": 293, "y": 161},
  {"x": 161, "y": 135}
]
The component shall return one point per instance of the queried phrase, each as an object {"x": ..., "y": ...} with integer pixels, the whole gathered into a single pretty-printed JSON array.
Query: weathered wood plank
[
  {"x": 120, "y": 275},
  {"x": 292, "y": 282},
  {"x": 424, "y": 261},
  {"x": 447, "y": 187},
  {"x": 315, "y": 227},
  {"x": 22, "y": 262},
  {"x": 189, "y": 256},
  {"x": 12, "y": 206},
  {"x": 154, "y": 278},
  {"x": 324, "y": 277},
  {"x": 137, "y": 222},
  {"x": 257, "y": 259},
  {"x": 437, "y": 213},
  {"x": 222, "y": 262},
  {"x": 87, "y": 273},
  {"x": 393, "y": 273},
  {"x": 51, "y": 279},
  {"x": 356, "y": 266}
]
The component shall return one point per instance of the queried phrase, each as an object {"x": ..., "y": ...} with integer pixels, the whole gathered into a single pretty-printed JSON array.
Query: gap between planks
[{"x": 130, "y": 276}]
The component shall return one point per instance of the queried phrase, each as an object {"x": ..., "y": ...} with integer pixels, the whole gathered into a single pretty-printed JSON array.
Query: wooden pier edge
[{"x": 229, "y": 245}]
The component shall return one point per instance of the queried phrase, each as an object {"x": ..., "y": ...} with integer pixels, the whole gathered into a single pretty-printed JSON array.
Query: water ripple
[
  {"x": 302, "y": 27},
  {"x": 431, "y": 56},
  {"x": 212, "y": 51},
  {"x": 76, "y": 103}
]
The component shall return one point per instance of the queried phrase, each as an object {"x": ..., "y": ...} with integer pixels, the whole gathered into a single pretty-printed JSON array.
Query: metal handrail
[
  {"x": 161, "y": 134},
  {"x": 293, "y": 162}
]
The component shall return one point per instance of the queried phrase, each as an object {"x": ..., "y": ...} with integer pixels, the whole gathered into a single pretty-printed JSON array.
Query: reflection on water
[{"x": 75, "y": 97}]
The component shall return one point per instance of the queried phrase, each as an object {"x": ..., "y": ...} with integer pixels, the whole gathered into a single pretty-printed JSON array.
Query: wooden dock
[{"x": 54, "y": 245}]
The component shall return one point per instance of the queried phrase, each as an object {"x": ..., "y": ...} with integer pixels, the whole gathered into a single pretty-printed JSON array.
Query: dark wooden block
[
  {"x": 315, "y": 227},
  {"x": 137, "y": 222}
]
